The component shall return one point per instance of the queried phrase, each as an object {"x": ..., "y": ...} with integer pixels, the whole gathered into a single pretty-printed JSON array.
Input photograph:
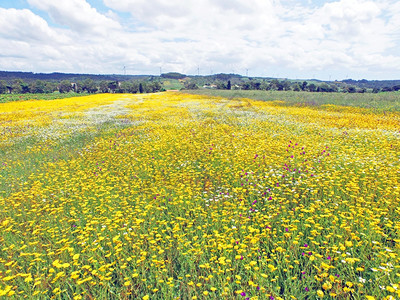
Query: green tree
[
  {"x": 296, "y": 87},
  {"x": 3, "y": 87},
  {"x": 50, "y": 87},
  {"x": 135, "y": 87},
  {"x": 385, "y": 89},
  {"x": 255, "y": 85},
  {"x": 125, "y": 87},
  {"x": 265, "y": 86},
  {"x": 37, "y": 87},
  {"x": 112, "y": 86},
  {"x": 65, "y": 86},
  {"x": 333, "y": 88},
  {"x": 173, "y": 75},
  {"x": 324, "y": 88},
  {"x": 77, "y": 87},
  {"x": 156, "y": 86},
  {"x": 103, "y": 86},
  {"x": 351, "y": 89},
  {"x": 286, "y": 85},
  {"x": 89, "y": 86},
  {"x": 190, "y": 86},
  {"x": 17, "y": 86},
  {"x": 273, "y": 85},
  {"x": 246, "y": 86},
  {"x": 312, "y": 87}
]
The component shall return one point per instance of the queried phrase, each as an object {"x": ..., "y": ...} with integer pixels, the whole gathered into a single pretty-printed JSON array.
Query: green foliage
[
  {"x": 3, "y": 86},
  {"x": 65, "y": 86},
  {"x": 189, "y": 85},
  {"x": 37, "y": 87},
  {"x": 173, "y": 75},
  {"x": 103, "y": 86},
  {"x": 89, "y": 86},
  {"x": 312, "y": 87}
]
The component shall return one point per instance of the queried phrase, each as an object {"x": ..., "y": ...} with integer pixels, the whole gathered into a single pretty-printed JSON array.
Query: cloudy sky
[{"x": 279, "y": 38}]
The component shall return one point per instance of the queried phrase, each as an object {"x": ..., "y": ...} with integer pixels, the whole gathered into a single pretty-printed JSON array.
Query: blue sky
[{"x": 272, "y": 38}]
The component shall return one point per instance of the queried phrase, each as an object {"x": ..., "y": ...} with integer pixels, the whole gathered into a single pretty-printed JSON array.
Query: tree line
[
  {"x": 153, "y": 84},
  {"x": 19, "y": 86},
  {"x": 287, "y": 85}
]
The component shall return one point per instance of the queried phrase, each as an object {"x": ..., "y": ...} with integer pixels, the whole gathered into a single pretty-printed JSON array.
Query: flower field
[{"x": 179, "y": 196}]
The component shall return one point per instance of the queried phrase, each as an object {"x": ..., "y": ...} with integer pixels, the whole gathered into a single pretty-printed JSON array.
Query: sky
[{"x": 327, "y": 40}]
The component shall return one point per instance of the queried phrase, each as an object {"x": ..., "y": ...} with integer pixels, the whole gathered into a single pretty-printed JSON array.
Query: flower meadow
[{"x": 179, "y": 196}]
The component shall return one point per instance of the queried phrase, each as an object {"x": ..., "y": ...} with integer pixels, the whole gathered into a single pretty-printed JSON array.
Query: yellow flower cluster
[{"x": 177, "y": 196}]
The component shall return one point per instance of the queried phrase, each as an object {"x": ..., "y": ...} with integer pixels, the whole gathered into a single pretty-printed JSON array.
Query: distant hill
[
  {"x": 56, "y": 76},
  {"x": 173, "y": 75},
  {"x": 24, "y": 82},
  {"x": 29, "y": 76},
  {"x": 374, "y": 84}
]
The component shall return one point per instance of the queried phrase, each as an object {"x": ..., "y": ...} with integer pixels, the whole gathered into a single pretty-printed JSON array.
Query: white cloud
[
  {"x": 26, "y": 40},
  {"x": 23, "y": 25},
  {"x": 77, "y": 15},
  {"x": 266, "y": 36},
  {"x": 336, "y": 35}
]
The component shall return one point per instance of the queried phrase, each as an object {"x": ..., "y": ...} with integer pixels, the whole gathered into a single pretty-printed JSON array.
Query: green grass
[
  {"x": 20, "y": 97},
  {"x": 172, "y": 84},
  {"x": 389, "y": 101}
]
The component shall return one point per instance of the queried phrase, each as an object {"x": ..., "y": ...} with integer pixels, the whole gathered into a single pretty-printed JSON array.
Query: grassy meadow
[
  {"x": 380, "y": 102},
  {"x": 184, "y": 196},
  {"x": 50, "y": 96}
]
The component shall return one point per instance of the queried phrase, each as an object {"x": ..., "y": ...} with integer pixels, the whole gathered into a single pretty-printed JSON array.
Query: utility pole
[
  {"x": 124, "y": 70},
  {"x": 198, "y": 70}
]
